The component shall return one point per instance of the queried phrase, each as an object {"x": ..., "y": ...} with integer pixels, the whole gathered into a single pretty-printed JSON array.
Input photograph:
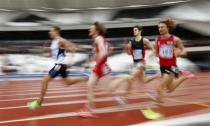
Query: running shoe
[
  {"x": 188, "y": 74},
  {"x": 34, "y": 104},
  {"x": 154, "y": 96},
  {"x": 120, "y": 100},
  {"x": 86, "y": 112},
  {"x": 150, "y": 114}
]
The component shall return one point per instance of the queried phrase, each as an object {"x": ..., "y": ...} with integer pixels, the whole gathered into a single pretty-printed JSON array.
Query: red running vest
[{"x": 165, "y": 48}]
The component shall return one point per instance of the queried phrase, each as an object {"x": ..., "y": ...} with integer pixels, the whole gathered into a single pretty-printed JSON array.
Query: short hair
[
  {"x": 170, "y": 23},
  {"x": 100, "y": 28},
  {"x": 138, "y": 27},
  {"x": 56, "y": 28}
]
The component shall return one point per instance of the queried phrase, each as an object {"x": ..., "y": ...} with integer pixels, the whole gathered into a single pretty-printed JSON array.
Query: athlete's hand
[
  {"x": 152, "y": 55},
  {"x": 178, "y": 53}
]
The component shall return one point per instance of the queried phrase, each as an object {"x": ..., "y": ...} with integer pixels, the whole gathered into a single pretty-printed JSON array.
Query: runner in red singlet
[
  {"x": 100, "y": 50},
  {"x": 168, "y": 48}
]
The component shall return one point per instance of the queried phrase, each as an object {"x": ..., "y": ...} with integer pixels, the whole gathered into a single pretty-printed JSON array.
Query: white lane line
[
  {"x": 187, "y": 97},
  {"x": 112, "y": 109},
  {"x": 111, "y": 98},
  {"x": 52, "y": 92},
  {"x": 17, "y": 90},
  {"x": 71, "y": 114},
  {"x": 38, "y": 87},
  {"x": 182, "y": 121},
  {"x": 56, "y": 96},
  {"x": 60, "y": 115},
  {"x": 102, "y": 92},
  {"x": 127, "y": 107},
  {"x": 197, "y": 112},
  {"x": 35, "y": 83},
  {"x": 73, "y": 90},
  {"x": 104, "y": 99},
  {"x": 80, "y": 91}
]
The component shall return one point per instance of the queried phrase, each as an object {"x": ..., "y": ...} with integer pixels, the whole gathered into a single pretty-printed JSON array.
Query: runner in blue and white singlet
[{"x": 58, "y": 48}]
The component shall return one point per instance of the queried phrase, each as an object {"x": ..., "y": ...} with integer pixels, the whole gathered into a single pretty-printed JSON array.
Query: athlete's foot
[
  {"x": 150, "y": 114},
  {"x": 155, "y": 97},
  {"x": 128, "y": 94},
  {"x": 121, "y": 100},
  {"x": 169, "y": 90},
  {"x": 188, "y": 74},
  {"x": 34, "y": 104},
  {"x": 86, "y": 112}
]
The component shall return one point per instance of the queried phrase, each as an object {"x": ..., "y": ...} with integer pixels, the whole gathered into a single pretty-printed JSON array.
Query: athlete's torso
[
  {"x": 166, "y": 51},
  {"x": 58, "y": 53},
  {"x": 137, "y": 49}
]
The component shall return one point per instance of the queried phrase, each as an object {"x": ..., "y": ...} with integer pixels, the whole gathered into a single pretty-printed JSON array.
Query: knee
[
  {"x": 90, "y": 85},
  {"x": 46, "y": 79},
  {"x": 110, "y": 89}
]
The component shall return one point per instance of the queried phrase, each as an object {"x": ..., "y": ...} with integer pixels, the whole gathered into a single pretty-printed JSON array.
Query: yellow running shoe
[{"x": 150, "y": 114}]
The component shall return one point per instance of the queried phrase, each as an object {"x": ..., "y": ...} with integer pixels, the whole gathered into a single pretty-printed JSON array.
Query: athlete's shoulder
[
  {"x": 62, "y": 39},
  {"x": 176, "y": 38},
  {"x": 132, "y": 40},
  {"x": 158, "y": 37},
  {"x": 145, "y": 39},
  {"x": 99, "y": 39}
]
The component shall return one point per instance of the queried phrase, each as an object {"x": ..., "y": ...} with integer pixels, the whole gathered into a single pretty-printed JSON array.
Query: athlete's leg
[
  {"x": 68, "y": 80},
  {"x": 71, "y": 81},
  {"x": 44, "y": 87},
  {"x": 37, "y": 103},
  {"x": 178, "y": 81},
  {"x": 52, "y": 74},
  {"x": 167, "y": 79},
  {"x": 118, "y": 81},
  {"x": 142, "y": 77},
  {"x": 86, "y": 111},
  {"x": 90, "y": 86},
  {"x": 146, "y": 79}
]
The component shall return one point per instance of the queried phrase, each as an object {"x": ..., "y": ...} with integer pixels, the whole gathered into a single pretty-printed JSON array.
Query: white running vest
[{"x": 58, "y": 54}]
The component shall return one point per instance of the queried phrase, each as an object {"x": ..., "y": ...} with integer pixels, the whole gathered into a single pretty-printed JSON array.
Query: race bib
[
  {"x": 166, "y": 51},
  {"x": 106, "y": 69},
  {"x": 137, "y": 54}
]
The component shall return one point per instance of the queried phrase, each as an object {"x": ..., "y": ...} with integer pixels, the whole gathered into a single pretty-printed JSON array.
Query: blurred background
[{"x": 24, "y": 26}]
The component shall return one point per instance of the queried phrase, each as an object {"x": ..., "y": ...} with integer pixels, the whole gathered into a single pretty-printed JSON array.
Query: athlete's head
[
  {"x": 97, "y": 29},
  {"x": 137, "y": 30},
  {"x": 54, "y": 32},
  {"x": 166, "y": 26}
]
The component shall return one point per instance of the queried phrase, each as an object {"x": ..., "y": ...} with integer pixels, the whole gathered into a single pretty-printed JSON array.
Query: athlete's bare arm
[
  {"x": 102, "y": 51},
  {"x": 178, "y": 43},
  {"x": 128, "y": 48},
  {"x": 156, "y": 48},
  {"x": 148, "y": 44},
  {"x": 67, "y": 45}
]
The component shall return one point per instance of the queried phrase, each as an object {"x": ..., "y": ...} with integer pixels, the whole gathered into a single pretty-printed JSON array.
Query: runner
[
  {"x": 97, "y": 32},
  {"x": 58, "y": 48},
  {"x": 168, "y": 48},
  {"x": 136, "y": 47}
]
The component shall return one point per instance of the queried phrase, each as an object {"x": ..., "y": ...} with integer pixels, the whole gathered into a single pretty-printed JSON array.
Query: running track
[{"x": 62, "y": 103}]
